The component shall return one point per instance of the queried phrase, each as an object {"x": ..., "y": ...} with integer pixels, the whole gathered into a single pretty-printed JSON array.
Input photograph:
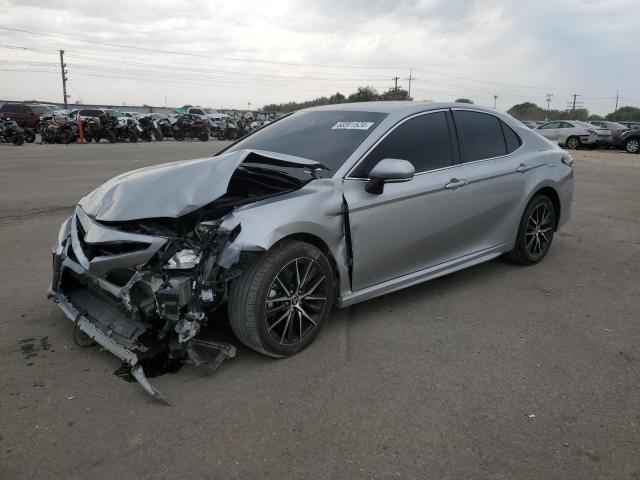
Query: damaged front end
[
  {"x": 146, "y": 259},
  {"x": 138, "y": 294}
]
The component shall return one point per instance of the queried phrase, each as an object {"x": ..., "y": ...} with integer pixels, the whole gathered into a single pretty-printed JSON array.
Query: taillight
[{"x": 567, "y": 159}]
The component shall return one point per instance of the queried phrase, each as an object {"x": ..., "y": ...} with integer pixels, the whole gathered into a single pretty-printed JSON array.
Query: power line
[{"x": 191, "y": 54}]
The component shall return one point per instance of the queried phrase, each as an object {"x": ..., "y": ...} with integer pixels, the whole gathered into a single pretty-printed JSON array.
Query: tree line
[
  {"x": 363, "y": 94},
  {"x": 522, "y": 111}
]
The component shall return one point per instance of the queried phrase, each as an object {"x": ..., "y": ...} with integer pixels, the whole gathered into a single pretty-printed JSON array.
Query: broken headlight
[
  {"x": 183, "y": 260},
  {"x": 64, "y": 231}
]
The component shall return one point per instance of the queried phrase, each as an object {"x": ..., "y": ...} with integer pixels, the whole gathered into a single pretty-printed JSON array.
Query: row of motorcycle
[{"x": 61, "y": 129}]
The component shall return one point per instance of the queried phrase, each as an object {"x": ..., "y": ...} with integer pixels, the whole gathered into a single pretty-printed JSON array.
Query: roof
[{"x": 398, "y": 106}]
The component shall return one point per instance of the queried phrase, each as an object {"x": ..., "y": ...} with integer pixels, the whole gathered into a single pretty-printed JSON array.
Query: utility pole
[
  {"x": 64, "y": 77},
  {"x": 411, "y": 77},
  {"x": 573, "y": 106},
  {"x": 395, "y": 79},
  {"x": 495, "y": 101},
  {"x": 549, "y": 97},
  {"x": 618, "y": 97}
]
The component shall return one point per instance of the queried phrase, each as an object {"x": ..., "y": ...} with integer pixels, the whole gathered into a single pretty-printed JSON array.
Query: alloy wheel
[
  {"x": 539, "y": 229},
  {"x": 295, "y": 302},
  {"x": 572, "y": 143},
  {"x": 633, "y": 145}
]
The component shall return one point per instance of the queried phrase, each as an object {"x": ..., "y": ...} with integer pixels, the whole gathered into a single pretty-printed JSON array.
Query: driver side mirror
[{"x": 389, "y": 170}]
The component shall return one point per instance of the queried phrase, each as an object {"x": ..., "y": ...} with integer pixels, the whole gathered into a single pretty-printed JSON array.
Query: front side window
[
  {"x": 480, "y": 135},
  {"x": 550, "y": 125},
  {"x": 423, "y": 140},
  {"x": 566, "y": 125}
]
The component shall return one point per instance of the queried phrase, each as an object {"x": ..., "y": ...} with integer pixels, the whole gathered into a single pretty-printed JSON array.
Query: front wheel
[
  {"x": 535, "y": 232},
  {"x": 29, "y": 135},
  {"x": 18, "y": 139},
  {"x": 573, "y": 143},
  {"x": 203, "y": 136},
  {"x": 278, "y": 304},
  {"x": 132, "y": 135},
  {"x": 632, "y": 145},
  {"x": 158, "y": 134}
]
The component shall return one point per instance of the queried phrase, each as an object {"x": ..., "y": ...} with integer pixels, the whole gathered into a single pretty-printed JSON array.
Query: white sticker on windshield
[{"x": 352, "y": 126}]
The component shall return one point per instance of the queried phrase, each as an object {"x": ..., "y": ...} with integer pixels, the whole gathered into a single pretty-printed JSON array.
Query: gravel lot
[{"x": 499, "y": 371}]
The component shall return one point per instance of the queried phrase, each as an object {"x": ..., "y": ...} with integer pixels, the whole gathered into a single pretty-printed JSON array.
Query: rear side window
[
  {"x": 424, "y": 141},
  {"x": 511, "y": 138},
  {"x": 480, "y": 135}
]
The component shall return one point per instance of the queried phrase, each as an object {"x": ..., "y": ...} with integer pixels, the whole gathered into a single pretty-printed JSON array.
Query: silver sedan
[{"x": 326, "y": 207}]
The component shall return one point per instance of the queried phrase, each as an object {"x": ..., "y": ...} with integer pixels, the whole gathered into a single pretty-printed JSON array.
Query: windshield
[
  {"x": 113, "y": 113},
  {"x": 328, "y": 137},
  {"x": 209, "y": 110},
  {"x": 42, "y": 109},
  {"x": 586, "y": 125}
]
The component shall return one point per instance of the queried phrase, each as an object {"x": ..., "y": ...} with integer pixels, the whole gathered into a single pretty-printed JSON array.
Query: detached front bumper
[{"x": 83, "y": 324}]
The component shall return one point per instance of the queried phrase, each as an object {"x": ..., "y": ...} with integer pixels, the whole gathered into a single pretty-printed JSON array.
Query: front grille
[{"x": 92, "y": 250}]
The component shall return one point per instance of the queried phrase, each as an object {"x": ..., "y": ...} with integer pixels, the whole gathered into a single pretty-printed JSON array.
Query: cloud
[{"x": 456, "y": 48}]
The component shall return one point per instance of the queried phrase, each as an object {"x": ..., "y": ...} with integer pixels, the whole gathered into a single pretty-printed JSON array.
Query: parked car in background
[
  {"x": 616, "y": 129},
  {"x": 631, "y": 125},
  {"x": 630, "y": 141},
  {"x": 134, "y": 115},
  {"x": 210, "y": 113},
  {"x": 573, "y": 133},
  {"x": 25, "y": 115},
  {"x": 529, "y": 123}
]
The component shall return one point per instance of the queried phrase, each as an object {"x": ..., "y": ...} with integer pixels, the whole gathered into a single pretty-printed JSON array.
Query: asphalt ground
[{"x": 497, "y": 372}]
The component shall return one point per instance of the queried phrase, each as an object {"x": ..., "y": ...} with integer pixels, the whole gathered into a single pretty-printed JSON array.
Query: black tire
[
  {"x": 29, "y": 135},
  {"x": 18, "y": 139},
  {"x": 88, "y": 138},
  {"x": 203, "y": 137},
  {"x": 632, "y": 145},
  {"x": 132, "y": 136},
  {"x": 146, "y": 136},
  {"x": 535, "y": 232},
  {"x": 178, "y": 135},
  {"x": 66, "y": 137},
  {"x": 221, "y": 135},
  {"x": 250, "y": 293},
  {"x": 573, "y": 143},
  {"x": 110, "y": 136},
  {"x": 158, "y": 134}
]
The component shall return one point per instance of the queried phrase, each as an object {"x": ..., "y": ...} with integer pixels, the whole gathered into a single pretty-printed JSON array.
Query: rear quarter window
[{"x": 511, "y": 138}]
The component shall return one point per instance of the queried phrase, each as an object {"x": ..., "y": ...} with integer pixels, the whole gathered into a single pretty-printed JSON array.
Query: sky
[{"x": 247, "y": 54}]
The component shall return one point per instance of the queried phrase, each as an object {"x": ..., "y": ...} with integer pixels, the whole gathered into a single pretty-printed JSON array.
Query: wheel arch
[
  {"x": 321, "y": 245},
  {"x": 553, "y": 195}
]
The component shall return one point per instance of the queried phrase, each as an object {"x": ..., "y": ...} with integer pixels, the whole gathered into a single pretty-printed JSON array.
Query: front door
[{"x": 413, "y": 225}]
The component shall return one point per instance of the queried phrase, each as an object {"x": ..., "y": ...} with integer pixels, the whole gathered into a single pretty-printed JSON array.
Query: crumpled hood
[{"x": 175, "y": 189}]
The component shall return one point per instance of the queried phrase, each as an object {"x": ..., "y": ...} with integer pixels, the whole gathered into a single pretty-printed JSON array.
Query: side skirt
[{"x": 351, "y": 298}]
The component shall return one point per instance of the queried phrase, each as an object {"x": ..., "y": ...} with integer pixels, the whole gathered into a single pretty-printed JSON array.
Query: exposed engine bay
[{"x": 139, "y": 286}]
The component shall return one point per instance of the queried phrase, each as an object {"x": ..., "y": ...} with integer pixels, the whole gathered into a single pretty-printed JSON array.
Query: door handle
[
  {"x": 523, "y": 168},
  {"x": 455, "y": 183}
]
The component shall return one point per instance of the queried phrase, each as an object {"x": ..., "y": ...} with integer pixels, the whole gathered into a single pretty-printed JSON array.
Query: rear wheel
[
  {"x": 203, "y": 137},
  {"x": 158, "y": 134},
  {"x": 535, "y": 232},
  {"x": 111, "y": 136},
  {"x": 632, "y": 145},
  {"x": 66, "y": 137},
  {"x": 132, "y": 135},
  {"x": 278, "y": 304},
  {"x": 178, "y": 135},
  {"x": 18, "y": 139},
  {"x": 573, "y": 142}
]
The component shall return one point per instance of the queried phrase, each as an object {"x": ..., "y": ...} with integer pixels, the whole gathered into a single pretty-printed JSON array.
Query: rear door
[
  {"x": 412, "y": 225},
  {"x": 549, "y": 131},
  {"x": 499, "y": 178}
]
